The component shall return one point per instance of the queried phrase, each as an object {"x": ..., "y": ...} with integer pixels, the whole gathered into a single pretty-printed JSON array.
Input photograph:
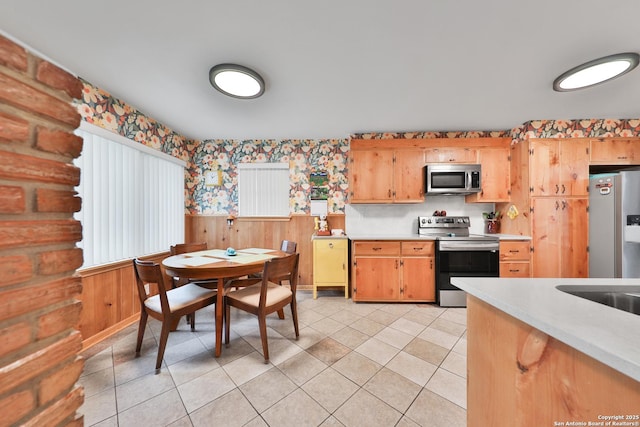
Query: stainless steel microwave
[{"x": 453, "y": 179}]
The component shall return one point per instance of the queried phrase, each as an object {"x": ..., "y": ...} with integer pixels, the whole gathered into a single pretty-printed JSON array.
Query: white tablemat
[
  {"x": 194, "y": 261},
  {"x": 256, "y": 250}
]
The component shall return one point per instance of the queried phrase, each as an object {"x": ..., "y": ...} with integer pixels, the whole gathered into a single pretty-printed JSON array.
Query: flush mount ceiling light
[
  {"x": 596, "y": 71},
  {"x": 236, "y": 81}
]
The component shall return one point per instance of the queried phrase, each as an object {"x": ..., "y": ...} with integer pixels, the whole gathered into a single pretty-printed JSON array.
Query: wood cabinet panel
[
  {"x": 409, "y": 178},
  {"x": 609, "y": 151},
  {"x": 376, "y": 279},
  {"x": 514, "y": 250},
  {"x": 418, "y": 248},
  {"x": 559, "y": 167},
  {"x": 515, "y": 269},
  {"x": 451, "y": 155},
  {"x": 371, "y": 176},
  {"x": 496, "y": 180},
  {"x": 562, "y": 385},
  {"x": 379, "y": 248},
  {"x": 418, "y": 279}
]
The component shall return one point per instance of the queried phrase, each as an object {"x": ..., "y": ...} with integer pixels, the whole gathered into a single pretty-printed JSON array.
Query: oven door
[{"x": 463, "y": 262}]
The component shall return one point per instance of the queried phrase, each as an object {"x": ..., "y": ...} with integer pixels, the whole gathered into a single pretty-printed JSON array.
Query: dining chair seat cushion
[
  {"x": 180, "y": 297},
  {"x": 251, "y": 294}
]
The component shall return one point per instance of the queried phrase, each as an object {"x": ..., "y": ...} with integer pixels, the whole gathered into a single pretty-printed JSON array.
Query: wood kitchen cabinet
[
  {"x": 496, "y": 179},
  {"x": 386, "y": 176},
  {"x": 514, "y": 258},
  {"x": 330, "y": 263},
  {"x": 393, "y": 271},
  {"x": 451, "y": 155},
  {"x": 615, "y": 151},
  {"x": 559, "y": 167},
  {"x": 560, "y": 237}
]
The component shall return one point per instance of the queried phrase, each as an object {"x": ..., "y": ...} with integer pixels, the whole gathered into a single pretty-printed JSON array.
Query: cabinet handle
[
  {"x": 564, "y": 205},
  {"x": 514, "y": 251},
  {"x": 431, "y": 264},
  {"x": 622, "y": 157},
  {"x": 557, "y": 189},
  {"x": 557, "y": 205},
  {"x": 377, "y": 248},
  {"x": 417, "y": 249},
  {"x": 396, "y": 264},
  {"x": 389, "y": 193},
  {"x": 343, "y": 266},
  {"x": 331, "y": 245},
  {"x": 563, "y": 189},
  {"x": 514, "y": 271}
]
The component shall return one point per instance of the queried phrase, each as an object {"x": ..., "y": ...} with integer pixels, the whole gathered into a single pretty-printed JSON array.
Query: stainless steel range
[{"x": 458, "y": 254}]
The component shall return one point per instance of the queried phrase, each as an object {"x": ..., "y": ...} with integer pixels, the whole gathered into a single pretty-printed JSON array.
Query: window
[
  {"x": 263, "y": 189},
  {"x": 132, "y": 198}
]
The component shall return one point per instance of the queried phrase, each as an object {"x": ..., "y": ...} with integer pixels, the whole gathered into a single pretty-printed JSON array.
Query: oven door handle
[{"x": 460, "y": 246}]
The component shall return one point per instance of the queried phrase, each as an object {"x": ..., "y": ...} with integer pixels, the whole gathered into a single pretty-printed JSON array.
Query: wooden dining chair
[
  {"x": 168, "y": 305},
  {"x": 266, "y": 296}
]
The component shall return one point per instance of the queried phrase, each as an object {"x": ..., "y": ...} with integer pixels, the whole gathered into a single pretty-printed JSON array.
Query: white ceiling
[{"x": 337, "y": 67}]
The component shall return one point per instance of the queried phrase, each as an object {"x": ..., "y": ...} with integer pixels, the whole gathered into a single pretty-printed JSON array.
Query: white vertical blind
[
  {"x": 263, "y": 189},
  {"x": 132, "y": 199}
]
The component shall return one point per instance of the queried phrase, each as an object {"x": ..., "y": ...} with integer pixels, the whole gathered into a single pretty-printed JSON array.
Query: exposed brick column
[{"x": 39, "y": 312}]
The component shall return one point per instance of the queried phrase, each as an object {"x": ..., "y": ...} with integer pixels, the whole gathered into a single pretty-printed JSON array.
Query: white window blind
[
  {"x": 263, "y": 189},
  {"x": 132, "y": 198}
]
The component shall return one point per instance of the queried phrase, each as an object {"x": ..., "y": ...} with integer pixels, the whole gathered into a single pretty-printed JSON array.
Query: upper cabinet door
[
  {"x": 559, "y": 167},
  {"x": 409, "y": 176},
  {"x": 371, "y": 176},
  {"x": 496, "y": 176},
  {"x": 606, "y": 151},
  {"x": 451, "y": 155}
]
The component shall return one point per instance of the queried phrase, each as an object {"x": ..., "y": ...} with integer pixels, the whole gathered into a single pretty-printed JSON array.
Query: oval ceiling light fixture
[
  {"x": 596, "y": 72},
  {"x": 236, "y": 81}
]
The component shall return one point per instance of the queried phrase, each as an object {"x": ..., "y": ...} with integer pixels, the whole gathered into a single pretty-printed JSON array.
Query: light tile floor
[{"x": 354, "y": 364}]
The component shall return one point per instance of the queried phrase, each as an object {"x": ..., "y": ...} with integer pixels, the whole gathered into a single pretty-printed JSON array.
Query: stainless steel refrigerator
[{"x": 614, "y": 225}]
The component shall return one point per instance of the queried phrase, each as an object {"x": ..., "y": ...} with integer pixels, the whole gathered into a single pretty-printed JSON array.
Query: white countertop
[
  {"x": 415, "y": 236},
  {"x": 607, "y": 334}
]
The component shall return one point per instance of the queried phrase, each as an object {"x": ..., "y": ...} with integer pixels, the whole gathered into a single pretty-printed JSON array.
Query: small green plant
[{"x": 491, "y": 215}]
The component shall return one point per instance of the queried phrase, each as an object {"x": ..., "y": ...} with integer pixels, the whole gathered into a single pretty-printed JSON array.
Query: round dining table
[{"x": 217, "y": 266}]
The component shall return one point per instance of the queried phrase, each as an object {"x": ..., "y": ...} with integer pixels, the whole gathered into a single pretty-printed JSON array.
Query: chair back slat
[
  {"x": 148, "y": 272},
  {"x": 183, "y": 248},
  {"x": 278, "y": 269},
  {"x": 288, "y": 246}
]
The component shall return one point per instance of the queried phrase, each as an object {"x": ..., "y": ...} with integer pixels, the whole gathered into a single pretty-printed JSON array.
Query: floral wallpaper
[{"x": 305, "y": 156}]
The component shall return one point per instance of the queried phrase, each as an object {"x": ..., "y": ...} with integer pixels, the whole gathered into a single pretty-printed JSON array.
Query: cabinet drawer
[
  {"x": 376, "y": 248},
  {"x": 514, "y": 250},
  {"x": 323, "y": 245},
  {"x": 614, "y": 152},
  {"x": 514, "y": 269},
  {"x": 418, "y": 248}
]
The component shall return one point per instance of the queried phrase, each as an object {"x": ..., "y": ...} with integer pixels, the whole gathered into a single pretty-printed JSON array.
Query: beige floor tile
[
  {"x": 229, "y": 410},
  {"x": 364, "y": 409},
  {"x": 136, "y": 368},
  {"x": 301, "y": 367},
  {"x": 327, "y": 325},
  {"x": 383, "y": 317},
  {"x": 411, "y": 367},
  {"x": 407, "y": 326},
  {"x": 432, "y": 410},
  {"x": 448, "y": 326},
  {"x": 421, "y": 315},
  {"x": 346, "y": 317},
  {"x": 202, "y": 390},
  {"x": 163, "y": 409},
  {"x": 97, "y": 382},
  {"x": 457, "y": 315},
  {"x": 364, "y": 309},
  {"x": 295, "y": 410},
  {"x": 436, "y": 336},
  {"x": 256, "y": 422},
  {"x": 394, "y": 337},
  {"x": 367, "y": 326},
  {"x": 378, "y": 351},
  {"x": 461, "y": 346},
  {"x": 406, "y": 422},
  {"x": 182, "y": 422},
  {"x": 393, "y": 389},
  {"x": 330, "y": 388},
  {"x": 144, "y": 388},
  {"x": 268, "y": 388},
  {"x": 184, "y": 350},
  {"x": 99, "y": 407},
  {"x": 455, "y": 363},
  {"x": 193, "y": 367},
  {"x": 398, "y": 309},
  {"x": 357, "y": 367},
  {"x": 246, "y": 368},
  {"x": 236, "y": 349},
  {"x": 331, "y": 422},
  {"x": 98, "y": 362},
  {"x": 309, "y": 337},
  {"x": 450, "y": 386},
  {"x": 426, "y": 351},
  {"x": 350, "y": 337},
  {"x": 328, "y": 351},
  {"x": 281, "y": 350}
]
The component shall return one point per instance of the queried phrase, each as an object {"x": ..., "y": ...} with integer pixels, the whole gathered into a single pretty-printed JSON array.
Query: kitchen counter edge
[
  {"x": 606, "y": 334},
  {"x": 418, "y": 237}
]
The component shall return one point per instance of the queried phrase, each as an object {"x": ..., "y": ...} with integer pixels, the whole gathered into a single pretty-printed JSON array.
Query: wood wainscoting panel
[{"x": 261, "y": 233}]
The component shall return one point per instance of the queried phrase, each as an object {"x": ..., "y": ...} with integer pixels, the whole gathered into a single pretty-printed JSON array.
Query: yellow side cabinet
[{"x": 330, "y": 263}]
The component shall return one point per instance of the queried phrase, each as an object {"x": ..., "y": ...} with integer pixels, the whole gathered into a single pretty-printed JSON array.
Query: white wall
[{"x": 398, "y": 219}]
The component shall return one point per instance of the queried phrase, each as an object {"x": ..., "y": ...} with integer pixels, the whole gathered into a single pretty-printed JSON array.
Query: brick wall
[{"x": 39, "y": 310}]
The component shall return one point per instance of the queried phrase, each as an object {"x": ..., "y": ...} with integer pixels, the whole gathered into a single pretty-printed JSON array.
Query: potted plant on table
[{"x": 491, "y": 222}]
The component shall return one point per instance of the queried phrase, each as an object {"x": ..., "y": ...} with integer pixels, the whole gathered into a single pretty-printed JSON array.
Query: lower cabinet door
[
  {"x": 418, "y": 279},
  {"x": 377, "y": 279}
]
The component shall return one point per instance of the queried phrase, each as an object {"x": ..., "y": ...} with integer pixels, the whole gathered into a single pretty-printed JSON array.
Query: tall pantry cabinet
[{"x": 550, "y": 181}]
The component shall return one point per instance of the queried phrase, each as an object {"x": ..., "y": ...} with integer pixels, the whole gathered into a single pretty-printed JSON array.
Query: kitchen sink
[{"x": 626, "y": 298}]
